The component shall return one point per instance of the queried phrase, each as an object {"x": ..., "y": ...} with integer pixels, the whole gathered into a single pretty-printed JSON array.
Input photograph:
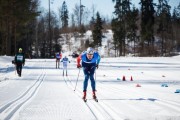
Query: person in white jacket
[{"x": 65, "y": 61}]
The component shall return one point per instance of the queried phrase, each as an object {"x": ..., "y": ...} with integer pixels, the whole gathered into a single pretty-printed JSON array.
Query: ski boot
[
  {"x": 18, "y": 72},
  {"x": 84, "y": 96},
  {"x": 94, "y": 96}
]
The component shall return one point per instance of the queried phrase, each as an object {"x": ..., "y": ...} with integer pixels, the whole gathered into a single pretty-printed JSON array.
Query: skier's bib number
[
  {"x": 58, "y": 57},
  {"x": 19, "y": 58}
]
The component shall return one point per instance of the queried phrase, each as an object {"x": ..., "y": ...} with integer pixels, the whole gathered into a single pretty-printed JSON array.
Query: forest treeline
[{"x": 151, "y": 30}]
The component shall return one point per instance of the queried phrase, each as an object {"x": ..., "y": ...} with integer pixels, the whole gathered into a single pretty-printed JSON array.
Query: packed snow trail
[
  {"x": 11, "y": 107},
  {"x": 43, "y": 93}
]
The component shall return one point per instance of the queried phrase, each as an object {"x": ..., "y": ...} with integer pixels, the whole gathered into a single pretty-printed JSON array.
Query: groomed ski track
[{"x": 43, "y": 93}]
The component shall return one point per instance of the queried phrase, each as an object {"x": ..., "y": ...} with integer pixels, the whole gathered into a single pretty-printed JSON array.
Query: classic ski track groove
[
  {"x": 13, "y": 106},
  {"x": 68, "y": 81},
  {"x": 91, "y": 104},
  {"x": 70, "y": 85}
]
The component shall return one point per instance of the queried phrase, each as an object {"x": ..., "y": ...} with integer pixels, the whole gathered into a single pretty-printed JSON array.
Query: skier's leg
[
  {"x": 93, "y": 82},
  {"x": 66, "y": 70},
  {"x": 59, "y": 63},
  {"x": 85, "y": 83},
  {"x": 63, "y": 71},
  {"x": 20, "y": 70},
  {"x": 93, "y": 85},
  {"x": 17, "y": 69},
  {"x": 56, "y": 63},
  {"x": 84, "y": 95},
  {"x": 94, "y": 95}
]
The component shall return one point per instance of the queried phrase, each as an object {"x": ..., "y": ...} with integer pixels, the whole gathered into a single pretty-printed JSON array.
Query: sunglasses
[{"x": 90, "y": 54}]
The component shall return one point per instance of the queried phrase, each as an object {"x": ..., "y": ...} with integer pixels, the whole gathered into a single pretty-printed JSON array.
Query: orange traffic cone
[
  {"x": 138, "y": 85},
  {"x": 131, "y": 79},
  {"x": 124, "y": 79}
]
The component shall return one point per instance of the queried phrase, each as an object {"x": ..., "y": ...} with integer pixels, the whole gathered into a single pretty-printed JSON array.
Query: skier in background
[
  {"x": 89, "y": 61},
  {"x": 65, "y": 61},
  {"x": 19, "y": 61},
  {"x": 58, "y": 57}
]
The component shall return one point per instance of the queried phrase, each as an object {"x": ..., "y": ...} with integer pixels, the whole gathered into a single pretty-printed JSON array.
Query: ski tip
[
  {"x": 85, "y": 100},
  {"x": 96, "y": 100}
]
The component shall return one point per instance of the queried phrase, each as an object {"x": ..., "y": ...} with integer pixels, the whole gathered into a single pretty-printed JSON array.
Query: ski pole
[
  {"x": 77, "y": 80},
  {"x": 15, "y": 69},
  {"x": 95, "y": 75}
]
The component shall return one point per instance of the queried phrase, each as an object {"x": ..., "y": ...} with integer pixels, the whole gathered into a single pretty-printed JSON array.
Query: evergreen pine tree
[
  {"x": 164, "y": 24},
  {"x": 64, "y": 15},
  {"x": 120, "y": 24},
  {"x": 132, "y": 26},
  {"x": 147, "y": 26},
  {"x": 97, "y": 31},
  {"x": 176, "y": 26}
]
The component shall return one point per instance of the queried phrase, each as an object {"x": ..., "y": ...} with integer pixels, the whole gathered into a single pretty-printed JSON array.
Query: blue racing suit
[{"x": 89, "y": 67}]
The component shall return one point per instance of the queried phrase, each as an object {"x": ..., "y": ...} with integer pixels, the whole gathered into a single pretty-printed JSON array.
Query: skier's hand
[
  {"x": 13, "y": 62},
  {"x": 78, "y": 66},
  {"x": 97, "y": 66}
]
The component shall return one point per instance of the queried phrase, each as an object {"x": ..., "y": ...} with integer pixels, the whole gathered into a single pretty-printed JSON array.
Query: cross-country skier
[
  {"x": 58, "y": 57},
  {"x": 19, "y": 61},
  {"x": 89, "y": 61},
  {"x": 65, "y": 61}
]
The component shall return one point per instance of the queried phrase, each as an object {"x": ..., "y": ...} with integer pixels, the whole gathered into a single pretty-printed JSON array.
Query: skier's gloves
[
  {"x": 97, "y": 66},
  {"x": 78, "y": 66},
  {"x": 13, "y": 62}
]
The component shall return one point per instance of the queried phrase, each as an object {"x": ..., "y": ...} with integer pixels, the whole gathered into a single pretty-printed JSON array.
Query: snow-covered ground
[{"x": 42, "y": 93}]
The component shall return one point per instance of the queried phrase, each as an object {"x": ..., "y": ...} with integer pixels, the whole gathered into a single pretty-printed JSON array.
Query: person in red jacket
[{"x": 58, "y": 57}]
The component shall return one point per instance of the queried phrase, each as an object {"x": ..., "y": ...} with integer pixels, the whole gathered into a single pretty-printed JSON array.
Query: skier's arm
[
  {"x": 78, "y": 61},
  {"x": 68, "y": 60},
  {"x": 60, "y": 56},
  {"x": 98, "y": 61},
  {"x": 15, "y": 59},
  {"x": 62, "y": 60}
]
